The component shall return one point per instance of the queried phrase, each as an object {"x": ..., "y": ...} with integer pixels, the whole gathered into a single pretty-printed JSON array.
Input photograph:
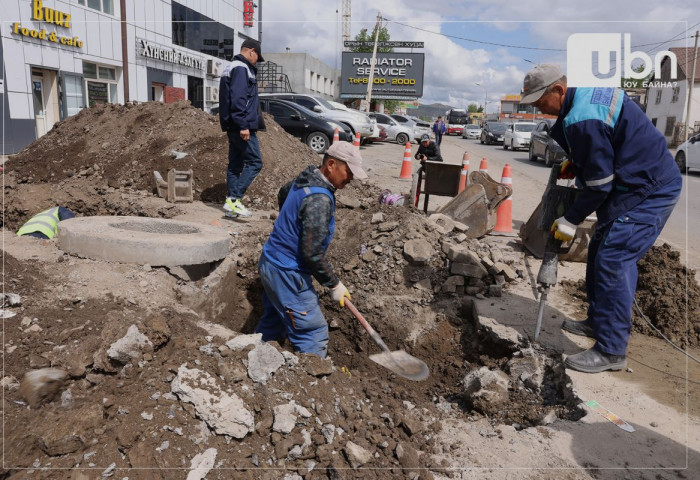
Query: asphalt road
[{"x": 384, "y": 161}]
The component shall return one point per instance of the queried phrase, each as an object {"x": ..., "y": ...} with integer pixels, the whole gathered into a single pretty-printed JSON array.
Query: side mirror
[
  {"x": 295, "y": 116},
  {"x": 694, "y": 139},
  {"x": 318, "y": 109}
]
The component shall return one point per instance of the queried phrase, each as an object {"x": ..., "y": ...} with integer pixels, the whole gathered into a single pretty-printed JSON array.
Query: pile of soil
[
  {"x": 666, "y": 294},
  {"x": 112, "y": 147}
]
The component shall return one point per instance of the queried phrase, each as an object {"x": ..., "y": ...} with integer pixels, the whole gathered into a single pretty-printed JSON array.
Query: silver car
[
  {"x": 471, "y": 131},
  {"x": 544, "y": 146},
  {"x": 419, "y": 126},
  {"x": 401, "y": 133}
]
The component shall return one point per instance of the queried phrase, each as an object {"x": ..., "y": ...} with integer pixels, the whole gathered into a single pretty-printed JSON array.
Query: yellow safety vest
[{"x": 45, "y": 222}]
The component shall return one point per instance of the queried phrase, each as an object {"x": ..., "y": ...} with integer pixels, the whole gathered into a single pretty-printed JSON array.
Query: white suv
[
  {"x": 357, "y": 121},
  {"x": 518, "y": 135}
]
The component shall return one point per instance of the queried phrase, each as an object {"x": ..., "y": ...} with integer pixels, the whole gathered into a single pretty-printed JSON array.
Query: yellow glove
[
  {"x": 567, "y": 170},
  {"x": 339, "y": 293},
  {"x": 563, "y": 230}
]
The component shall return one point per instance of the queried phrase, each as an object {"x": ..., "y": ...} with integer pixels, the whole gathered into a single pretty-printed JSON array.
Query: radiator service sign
[{"x": 396, "y": 75}]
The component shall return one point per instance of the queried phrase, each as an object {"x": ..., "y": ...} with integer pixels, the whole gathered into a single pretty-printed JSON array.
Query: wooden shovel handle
[{"x": 375, "y": 336}]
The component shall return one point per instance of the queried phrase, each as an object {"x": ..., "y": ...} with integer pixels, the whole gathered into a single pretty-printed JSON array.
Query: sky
[{"x": 478, "y": 41}]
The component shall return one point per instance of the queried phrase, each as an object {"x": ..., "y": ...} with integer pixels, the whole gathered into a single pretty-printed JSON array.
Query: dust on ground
[{"x": 350, "y": 418}]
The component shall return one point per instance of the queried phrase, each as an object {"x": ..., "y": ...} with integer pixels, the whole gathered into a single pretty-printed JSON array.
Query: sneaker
[
  {"x": 578, "y": 328},
  {"x": 229, "y": 204},
  {"x": 240, "y": 210},
  {"x": 593, "y": 361}
]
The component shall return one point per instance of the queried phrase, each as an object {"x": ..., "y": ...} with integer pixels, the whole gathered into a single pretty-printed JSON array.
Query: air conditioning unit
[
  {"x": 214, "y": 68},
  {"x": 212, "y": 94}
]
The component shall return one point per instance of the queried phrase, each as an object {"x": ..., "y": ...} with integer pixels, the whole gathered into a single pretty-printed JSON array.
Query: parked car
[
  {"x": 301, "y": 122},
  {"x": 471, "y": 131},
  {"x": 419, "y": 126},
  {"x": 688, "y": 154},
  {"x": 544, "y": 146},
  {"x": 380, "y": 136},
  {"x": 394, "y": 130},
  {"x": 518, "y": 135},
  {"x": 493, "y": 132},
  {"x": 357, "y": 121}
]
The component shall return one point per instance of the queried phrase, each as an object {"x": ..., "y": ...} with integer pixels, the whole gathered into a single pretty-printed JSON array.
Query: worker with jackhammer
[
  {"x": 629, "y": 178},
  {"x": 296, "y": 252}
]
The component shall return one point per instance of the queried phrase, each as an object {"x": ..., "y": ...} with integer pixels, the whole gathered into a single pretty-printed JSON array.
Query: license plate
[{"x": 500, "y": 139}]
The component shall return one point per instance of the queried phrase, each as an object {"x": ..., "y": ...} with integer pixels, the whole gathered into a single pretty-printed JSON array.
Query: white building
[
  {"x": 308, "y": 74},
  {"x": 59, "y": 56},
  {"x": 667, "y": 98}
]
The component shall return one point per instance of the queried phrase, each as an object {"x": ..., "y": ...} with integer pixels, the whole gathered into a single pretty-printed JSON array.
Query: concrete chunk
[
  {"x": 130, "y": 346},
  {"x": 201, "y": 464},
  {"x": 468, "y": 270},
  {"x": 356, "y": 455},
  {"x": 461, "y": 254},
  {"x": 450, "y": 285},
  {"x": 242, "y": 341},
  {"x": 263, "y": 361},
  {"x": 418, "y": 251},
  {"x": 442, "y": 223}
]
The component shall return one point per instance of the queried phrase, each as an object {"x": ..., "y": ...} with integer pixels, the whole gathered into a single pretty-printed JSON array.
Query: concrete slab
[{"x": 155, "y": 241}]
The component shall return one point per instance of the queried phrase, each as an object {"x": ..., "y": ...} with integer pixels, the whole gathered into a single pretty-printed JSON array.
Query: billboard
[{"x": 396, "y": 75}]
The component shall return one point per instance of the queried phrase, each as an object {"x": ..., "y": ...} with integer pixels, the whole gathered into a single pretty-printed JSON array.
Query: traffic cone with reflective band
[
  {"x": 356, "y": 142},
  {"x": 484, "y": 166},
  {"x": 463, "y": 174},
  {"x": 406, "y": 166},
  {"x": 504, "y": 212},
  {"x": 336, "y": 135}
]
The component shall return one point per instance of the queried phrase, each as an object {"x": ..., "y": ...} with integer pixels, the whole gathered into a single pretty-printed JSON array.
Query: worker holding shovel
[
  {"x": 296, "y": 252},
  {"x": 629, "y": 178}
]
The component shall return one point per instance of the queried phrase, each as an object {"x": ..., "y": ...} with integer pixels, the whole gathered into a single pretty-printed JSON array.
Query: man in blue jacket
[
  {"x": 240, "y": 117},
  {"x": 439, "y": 129},
  {"x": 296, "y": 251},
  {"x": 628, "y": 177}
]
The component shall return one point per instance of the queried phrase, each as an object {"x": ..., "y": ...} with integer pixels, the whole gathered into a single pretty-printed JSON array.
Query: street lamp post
[{"x": 486, "y": 95}]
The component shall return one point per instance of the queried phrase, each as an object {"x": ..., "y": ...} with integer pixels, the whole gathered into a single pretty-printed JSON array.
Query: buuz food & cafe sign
[{"x": 170, "y": 55}]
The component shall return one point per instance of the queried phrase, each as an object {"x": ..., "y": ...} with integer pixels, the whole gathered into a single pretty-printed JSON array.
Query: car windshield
[
  {"x": 498, "y": 127},
  {"x": 306, "y": 111},
  {"x": 524, "y": 127},
  {"x": 325, "y": 103},
  {"x": 472, "y": 127}
]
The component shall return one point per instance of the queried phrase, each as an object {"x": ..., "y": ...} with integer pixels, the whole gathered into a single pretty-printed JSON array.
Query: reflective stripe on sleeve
[{"x": 602, "y": 181}]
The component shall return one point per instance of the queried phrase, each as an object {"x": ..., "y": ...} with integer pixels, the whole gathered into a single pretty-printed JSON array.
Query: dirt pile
[
  {"x": 667, "y": 295},
  {"x": 112, "y": 148}
]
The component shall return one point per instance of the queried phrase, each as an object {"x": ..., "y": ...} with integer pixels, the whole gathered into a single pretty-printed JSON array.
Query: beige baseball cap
[
  {"x": 349, "y": 154},
  {"x": 537, "y": 80}
]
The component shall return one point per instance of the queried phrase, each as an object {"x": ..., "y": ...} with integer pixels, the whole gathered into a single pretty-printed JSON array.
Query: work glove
[
  {"x": 563, "y": 230},
  {"x": 567, "y": 170},
  {"x": 339, "y": 293}
]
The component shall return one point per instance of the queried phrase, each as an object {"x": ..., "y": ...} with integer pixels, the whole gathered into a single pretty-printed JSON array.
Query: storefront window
[
  {"x": 101, "y": 84},
  {"x": 73, "y": 94}
]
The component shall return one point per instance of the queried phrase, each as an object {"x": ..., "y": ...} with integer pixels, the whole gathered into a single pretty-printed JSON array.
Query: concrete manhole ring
[{"x": 142, "y": 240}]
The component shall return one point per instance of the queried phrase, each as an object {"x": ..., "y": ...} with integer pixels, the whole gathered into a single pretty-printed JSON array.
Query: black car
[
  {"x": 493, "y": 132},
  {"x": 301, "y": 122},
  {"x": 544, "y": 146}
]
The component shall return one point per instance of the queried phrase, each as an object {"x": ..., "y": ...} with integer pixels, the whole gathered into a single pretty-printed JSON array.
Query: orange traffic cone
[
  {"x": 406, "y": 167},
  {"x": 504, "y": 212},
  {"x": 463, "y": 174},
  {"x": 484, "y": 166},
  {"x": 356, "y": 142},
  {"x": 336, "y": 135}
]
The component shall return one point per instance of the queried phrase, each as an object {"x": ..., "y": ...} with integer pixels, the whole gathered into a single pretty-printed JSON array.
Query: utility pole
[
  {"x": 365, "y": 104},
  {"x": 691, "y": 84}
]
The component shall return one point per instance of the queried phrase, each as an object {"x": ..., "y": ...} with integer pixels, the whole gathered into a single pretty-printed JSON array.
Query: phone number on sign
[{"x": 383, "y": 81}]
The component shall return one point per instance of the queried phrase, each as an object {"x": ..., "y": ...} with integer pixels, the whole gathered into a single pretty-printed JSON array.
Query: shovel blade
[{"x": 402, "y": 364}]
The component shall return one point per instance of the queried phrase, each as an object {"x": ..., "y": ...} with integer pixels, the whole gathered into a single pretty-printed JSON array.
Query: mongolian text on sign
[
  {"x": 390, "y": 44},
  {"x": 170, "y": 55},
  {"x": 396, "y": 75},
  {"x": 248, "y": 12}
]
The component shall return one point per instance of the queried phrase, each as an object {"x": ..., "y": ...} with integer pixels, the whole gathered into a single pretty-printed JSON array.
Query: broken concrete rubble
[
  {"x": 130, "y": 346},
  {"x": 263, "y": 360}
]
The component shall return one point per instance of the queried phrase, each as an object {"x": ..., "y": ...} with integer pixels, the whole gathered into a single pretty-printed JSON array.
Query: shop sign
[
  {"x": 48, "y": 15},
  {"x": 395, "y": 75},
  {"x": 248, "y": 12},
  {"x": 170, "y": 55}
]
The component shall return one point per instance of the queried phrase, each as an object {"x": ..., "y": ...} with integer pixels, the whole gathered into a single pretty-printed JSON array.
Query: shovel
[{"x": 399, "y": 362}]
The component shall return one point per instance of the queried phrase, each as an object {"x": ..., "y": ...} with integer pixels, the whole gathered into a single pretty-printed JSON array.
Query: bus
[{"x": 456, "y": 119}]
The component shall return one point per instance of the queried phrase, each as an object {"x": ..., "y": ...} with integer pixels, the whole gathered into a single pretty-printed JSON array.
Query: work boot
[
  {"x": 235, "y": 208},
  {"x": 578, "y": 328},
  {"x": 593, "y": 361}
]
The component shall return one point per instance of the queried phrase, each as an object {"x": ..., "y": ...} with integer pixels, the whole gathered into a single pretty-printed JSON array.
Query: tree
[
  {"x": 363, "y": 36},
  {"x": 635, "y": 82},
  {"x": 474, "y": 108}
]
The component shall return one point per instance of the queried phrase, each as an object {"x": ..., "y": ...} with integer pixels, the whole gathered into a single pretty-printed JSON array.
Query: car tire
[
  {"x": 531, "y": 153},
  {"x": 402, "y": 138},
  {"x": 505, "y": 146},
  {"x": 318, "y": 142},
  {"x": 512, "y": 146},
  {"x": 680, "y": 161},
  {"x": 548, "y": 160},
  {"x": 481, "y": 139}
]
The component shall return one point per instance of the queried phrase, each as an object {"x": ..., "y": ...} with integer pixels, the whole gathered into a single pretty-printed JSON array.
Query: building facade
[
  {"x": 61, "y": 56},
  {"x": 308, "y": 74}
]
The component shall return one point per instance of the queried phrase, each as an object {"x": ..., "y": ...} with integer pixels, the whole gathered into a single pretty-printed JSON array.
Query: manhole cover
[{"x": 156, "y": 227}]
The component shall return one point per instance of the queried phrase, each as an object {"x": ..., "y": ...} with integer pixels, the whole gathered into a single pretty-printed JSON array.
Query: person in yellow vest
[{"x": 45, "y": 224}]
